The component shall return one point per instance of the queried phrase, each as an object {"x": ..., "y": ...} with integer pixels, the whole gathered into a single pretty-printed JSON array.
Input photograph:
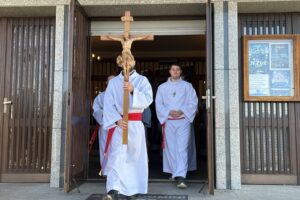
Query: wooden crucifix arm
[
  {"x": 109, "y": 37},
  {"x": 143, "y": 37}
]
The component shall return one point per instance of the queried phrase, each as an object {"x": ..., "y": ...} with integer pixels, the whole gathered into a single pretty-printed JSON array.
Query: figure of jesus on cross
[{"x": 126, "y": 60}]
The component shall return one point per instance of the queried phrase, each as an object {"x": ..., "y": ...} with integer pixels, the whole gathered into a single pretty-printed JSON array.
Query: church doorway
[{"x": 153, "y": 61}]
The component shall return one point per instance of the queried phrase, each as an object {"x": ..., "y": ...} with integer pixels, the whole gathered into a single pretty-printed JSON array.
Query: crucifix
[{"x": 126, "y": 60}]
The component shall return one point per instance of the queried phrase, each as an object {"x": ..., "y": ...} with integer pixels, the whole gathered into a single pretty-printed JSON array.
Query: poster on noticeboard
[{"x": 270, "y": 68}]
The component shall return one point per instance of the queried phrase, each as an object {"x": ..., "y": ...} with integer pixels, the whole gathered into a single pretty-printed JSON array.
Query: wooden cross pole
[{"x": 126, "y": 60}]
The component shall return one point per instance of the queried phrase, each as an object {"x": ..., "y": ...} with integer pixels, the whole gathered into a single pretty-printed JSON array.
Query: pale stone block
[
  {"x": 57, "y": 100},
  {"x": 220, "y": 99},
  {"x": 218, "y": 35},
  {"x": 220, "y": 158},
  {"x": 233, "y": 35},
  {"x": 234, "y": 108},
  {"x": 59, "y": 37},
  {"x": 235, "y": 158},
  {"x": 55, "y": 157}
]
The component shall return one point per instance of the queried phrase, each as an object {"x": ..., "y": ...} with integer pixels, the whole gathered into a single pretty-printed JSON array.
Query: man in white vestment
[
  {"x": 126, "y": 166},
  {"x": 176, "y": 106},
  {"x": 98, "y": 115}
]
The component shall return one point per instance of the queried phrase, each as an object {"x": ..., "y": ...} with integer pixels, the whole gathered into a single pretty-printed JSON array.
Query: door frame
[
  {"x": 68, "y": 186},
  {"x": 2, "y": 72},
  {"x": 209, "y": 100},
  {"x": 209, "y": 97}
]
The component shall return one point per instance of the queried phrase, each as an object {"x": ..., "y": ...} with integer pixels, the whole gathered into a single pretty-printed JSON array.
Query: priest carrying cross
[{"x": 125, "y": 161}]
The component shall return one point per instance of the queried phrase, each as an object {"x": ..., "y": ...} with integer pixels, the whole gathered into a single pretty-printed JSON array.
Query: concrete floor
[{"x": 37, "y": 191}]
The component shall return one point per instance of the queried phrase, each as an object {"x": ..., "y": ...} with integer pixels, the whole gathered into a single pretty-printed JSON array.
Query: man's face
[{"x": 175, "y": 72}]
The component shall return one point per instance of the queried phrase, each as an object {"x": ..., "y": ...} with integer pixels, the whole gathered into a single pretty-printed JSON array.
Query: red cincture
[{"x": 92, "y": 140}]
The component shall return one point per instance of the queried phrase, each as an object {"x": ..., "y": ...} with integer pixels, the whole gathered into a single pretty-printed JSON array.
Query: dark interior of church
[{"x": 153, "y": 59}]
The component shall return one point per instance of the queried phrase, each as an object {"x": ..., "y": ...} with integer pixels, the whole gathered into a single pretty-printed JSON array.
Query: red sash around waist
[
  {"x": 131, "y": 117},
  {"x": 135, "y": 116}
]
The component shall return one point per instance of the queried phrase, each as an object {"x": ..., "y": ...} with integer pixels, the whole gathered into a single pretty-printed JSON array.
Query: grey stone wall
[
  {"x": 220, "y": 150},
  {"x": 60, "y": 98},
  {"x": 227, "y": 143}
]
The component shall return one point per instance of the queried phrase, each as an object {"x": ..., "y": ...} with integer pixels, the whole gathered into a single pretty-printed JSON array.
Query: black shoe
[
  {"x": 108, "y": 197},
  {"x": 114, "y": 192},
  {"x": 181, "y": 183},
  {"x": 111, "y": 195}
]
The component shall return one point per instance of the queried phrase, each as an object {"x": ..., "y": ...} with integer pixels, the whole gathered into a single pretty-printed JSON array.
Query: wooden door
[
  {"x": 26, "y": 93},
  {"x": 209, "y": 100},
  {"x": 79, "y": 94}
]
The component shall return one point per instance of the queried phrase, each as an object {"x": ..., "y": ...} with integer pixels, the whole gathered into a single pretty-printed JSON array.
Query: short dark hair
[{"x": 176, "y": 64}]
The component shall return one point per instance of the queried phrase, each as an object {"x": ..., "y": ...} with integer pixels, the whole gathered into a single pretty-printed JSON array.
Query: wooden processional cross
[{"x": 126, "y": 60}]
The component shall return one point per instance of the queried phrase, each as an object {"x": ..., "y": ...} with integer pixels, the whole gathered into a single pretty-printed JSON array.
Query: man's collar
[{"x": 174, "y": 81}]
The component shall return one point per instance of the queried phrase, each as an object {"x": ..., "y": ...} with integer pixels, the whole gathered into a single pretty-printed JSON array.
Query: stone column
[
  {"x": 220, "y": 145},
  {"x": 59, "y": 99},
  {"x": 233, "y": 60},
  {"x": 226, "y": 82}
]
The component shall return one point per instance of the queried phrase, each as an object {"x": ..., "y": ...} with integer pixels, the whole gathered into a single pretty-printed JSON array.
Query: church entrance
[
  {"x": 153, "y": 61},
  {"x": 179, "y": 39}
]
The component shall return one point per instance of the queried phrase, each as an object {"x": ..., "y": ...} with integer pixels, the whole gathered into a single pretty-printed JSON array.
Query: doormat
[{"x": 143, "y": 197}]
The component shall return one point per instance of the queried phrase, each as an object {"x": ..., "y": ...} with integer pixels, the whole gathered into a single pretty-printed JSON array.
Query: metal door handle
[
  {"x": 204, "y": 97},
  {"x": 207, "y": 98},
  {"x": 6, "y": 103}
]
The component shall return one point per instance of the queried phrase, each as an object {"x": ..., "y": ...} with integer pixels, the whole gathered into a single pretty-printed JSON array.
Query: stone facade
[{"x": 227, "y": 130}]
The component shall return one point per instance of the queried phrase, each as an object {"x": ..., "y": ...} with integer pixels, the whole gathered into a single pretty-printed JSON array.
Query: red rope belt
[
  {"x": 93, "y": 137},
  {"x": 163, "y": 126}
]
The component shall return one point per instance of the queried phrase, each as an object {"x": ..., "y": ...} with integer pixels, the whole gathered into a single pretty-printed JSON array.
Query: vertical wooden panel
[
  {"x": 3, "y": 40},
  {"x": 29, "y": 84},
  {"x": 79, "y": 108},
  {"x": 268, "y": 145},
  {"x": 30, "y": 87}
]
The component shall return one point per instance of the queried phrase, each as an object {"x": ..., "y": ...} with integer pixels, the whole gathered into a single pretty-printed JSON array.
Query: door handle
[
  {"x": 6, "y": 103},
  {"x": 208, "y": 103},
  {"x": 204, "y": 97}
]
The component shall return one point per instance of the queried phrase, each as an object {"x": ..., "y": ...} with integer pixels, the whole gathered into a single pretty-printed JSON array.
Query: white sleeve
[
  {"x": 110, "y": 113},
  {"x": 98, "y": 108},
  {"x": 190, "y": 107},
  {"x": 143, "y": 96},
  {"x": 161, "y": 110}
]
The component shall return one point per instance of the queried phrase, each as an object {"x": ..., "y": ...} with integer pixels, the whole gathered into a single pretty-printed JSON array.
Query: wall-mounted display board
[{"x": 271, "y": 68}]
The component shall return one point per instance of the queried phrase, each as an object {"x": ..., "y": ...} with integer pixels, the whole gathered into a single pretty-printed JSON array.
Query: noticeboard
[{"x": 271, "y": 68}]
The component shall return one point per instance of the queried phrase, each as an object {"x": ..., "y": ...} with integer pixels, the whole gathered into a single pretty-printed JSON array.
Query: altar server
[
  {"x": 98, "y": 115},
  {"x": 126, "y": 165},
  {"x": 176, "y": 106}
]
